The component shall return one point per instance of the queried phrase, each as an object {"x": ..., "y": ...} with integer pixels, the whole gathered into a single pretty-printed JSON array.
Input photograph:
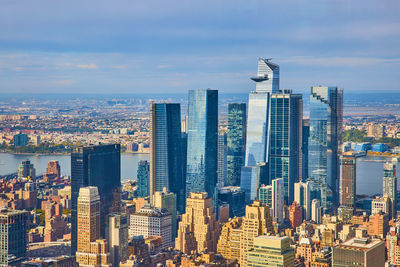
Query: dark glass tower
[
  {"x": 96, "y": 166},
  {"x": 143, "y": 173},
  {"x": 202, "y": 141},
  {"x": 304, "y": 148},
  {"x": 236, "y": 138},
  {"x": 285, "y": 140},
  {"x": 326, "y": 106},
  {"x": 166, "y": 168}
]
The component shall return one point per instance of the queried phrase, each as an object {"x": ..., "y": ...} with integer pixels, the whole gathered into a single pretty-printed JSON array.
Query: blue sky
[{"x": 132, "y": 46}]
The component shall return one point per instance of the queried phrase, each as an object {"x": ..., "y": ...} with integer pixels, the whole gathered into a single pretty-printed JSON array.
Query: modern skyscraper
[
  {"x": 347, "y": 183},
  {"x": 98, "y": 166},
  {"x": 302, "y": 196},
  {"x": 271, "y": 251},
  {"x": 150, "y": 221},
  {"x": 91, "y": 249},
  {"x": 13, "y": 236},
  {"x": 326, "y": 110},
  {"x": 390, "y": 186},
  {"x": 267, "y": 79},
  {"x": 199, "y": 229},
  {"x": 304, "y": 148},
  {"x": 202, "y": 142},
  {"x": 235, "y": 198},
  {"x": 222, "y": 159},
  {"x": 272, "y": 195},
  {"x": 21, "y": 140},
  {"x": 167, "y": 200},
  {"x": 236, "y": 139},
  {"x": 316, "y": 211},
  {"x": 285, "y": 139},
  {"x": 143, "y": 176},
  {"x": 256, "y": 222},
  {"x": 118, "y": 238},
  {"x": 166, "y": 169},
  {"x": 26, "y": 169},
  {"x": 252, "y": 178}
]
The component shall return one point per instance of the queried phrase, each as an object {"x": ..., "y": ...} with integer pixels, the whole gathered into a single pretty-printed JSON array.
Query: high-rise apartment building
[
  {"x": 257, "y": 222},
  {"x": 390, "y": 185},
  {"x": 295, "y": 215},
  {"x": 26, "y": 169},
  {"x": 13, "y": 236},
  {"x": 302, "y": 196},
  {"x": 53, "y": 167},
  {"x": 222, "y": 159},
  {"x": 91, "y": 249},
  {"x": 229, "y": 240},
  {"x": 316, "y": 211},
  {"x": 304, "y": 148},
  {"x": 271, "y": 251},
  {"x": 118, "y": 238},
  {"x": 166, "y": 200},
  {"x": 236, "y": 139},
  {"x": 143, "y": 177},
  {"x": 98, "y": 166},
  {"x": 347, "y": 183},
  {"x": 150, "y": 221},
  {"x": 272, "y": 195},
  {"x": 199, "y": 229},
  {"x": 166, "y": 168},
  {"x": 285, "y": 139},
  {"x": 20, "y": 140},
  {"x": 202, "y": 143},
  {"x": 326, "y": 111}
]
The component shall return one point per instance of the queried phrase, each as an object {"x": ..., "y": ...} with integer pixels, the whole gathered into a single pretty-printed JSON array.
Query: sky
[{"x": 137, "y": 47}]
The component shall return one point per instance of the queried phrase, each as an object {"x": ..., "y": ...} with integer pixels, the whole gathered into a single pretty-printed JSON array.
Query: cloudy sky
[{"x": 134, "y": 46}]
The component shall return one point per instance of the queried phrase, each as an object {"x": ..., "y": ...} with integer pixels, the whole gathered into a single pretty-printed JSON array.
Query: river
[{"x": 369, "y": 169}]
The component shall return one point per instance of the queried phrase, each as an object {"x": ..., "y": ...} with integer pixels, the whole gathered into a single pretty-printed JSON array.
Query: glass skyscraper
[
  {"x": 202, "y": 142},
  {"x": 222, "y": 152},
  {"x": 166, "y": 168},
  {"x": 389, "y": 188},
  {"x": 96, "y": 166},
  {"x": 326, "y": 107},
  {"x": 285, "y": 139},
  {"x": 143, "y": 176},
  {"x": 236, "y": 139}
]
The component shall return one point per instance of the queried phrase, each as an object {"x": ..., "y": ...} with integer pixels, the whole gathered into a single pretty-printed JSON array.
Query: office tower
[
  {"x": 53, "y": 168},
  {"x": 271, "y": 251},
  {"x": 236, "y": 139},
  {"x": 199, "y": 229},
  {"x": 118, "y": 238},
  {"x": 304, "y": 148},
  {"x": 302, "y": 196},
  {"x": 26, "y": 169},
  {"x": 143, "y": 176},
  {"x": 20, "y": 140},
  {"x": 272, "y": 195},
  {"x": 91, "y": 249},
  {"x": 167, "y": 200},
  {"x": 229, "y": 240},
  {"x": 390, "y": 185},
  {"x": 252, "y": 178},
  {"x": 13, "y": 239},
  {"x": 285, "y": 139},
  {"x": 295, "y": 215},
  {"x": 222, "y": 160},
  {"x": 166, "y": 169},
  {"x": 96, "y": 166},
  {"x": 316, "y": 211},
  {"x": 267, "y": 79},
  {"x": 202, "y": 144},
  {"x": 326, "y": 105},
  {"x": 359, "y": 252},
  {"x": 150, "y": 221},
  {"x": 256, "y": 222},
  {"x": 347, "y": 183},
  {"x": 235, "y": 198}
]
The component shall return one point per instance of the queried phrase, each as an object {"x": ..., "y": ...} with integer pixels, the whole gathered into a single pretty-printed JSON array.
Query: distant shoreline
[{"x": 59, "y": 154}]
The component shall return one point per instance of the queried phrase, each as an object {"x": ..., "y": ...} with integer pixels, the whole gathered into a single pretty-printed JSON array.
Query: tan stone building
[
  {"x": 229, "y": 240},
  {"x": 91, "y": 249},
  {"x": 199, "y": 229},
  {"x": 256, "y": 222}
]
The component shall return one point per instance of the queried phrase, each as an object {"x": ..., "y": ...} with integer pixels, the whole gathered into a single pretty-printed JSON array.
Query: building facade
[
  {"x": 222, "y": 159},
  {"x": 272, "y": 195},
  {"x": 143, "y": 177},
  {"x": 347, "y": 184},
  {"x": 302, "y": 196},
  {"x": 390, "y": 185},
  {"x": 118, "y": 238}
]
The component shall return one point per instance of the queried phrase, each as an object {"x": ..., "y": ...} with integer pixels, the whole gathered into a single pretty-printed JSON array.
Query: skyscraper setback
[
  {"x": 326, "y": 104},
  {"x": 96, "y": 166},
  {"x": 236, "y": 139},
  {"x": 166, "y": 160},
  {"x": 202, "y": 141}
]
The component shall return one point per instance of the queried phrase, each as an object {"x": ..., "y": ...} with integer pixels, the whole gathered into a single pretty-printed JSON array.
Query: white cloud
[
  {"x": 340, "y": 61},
  {"x": 90, "y": 66}
]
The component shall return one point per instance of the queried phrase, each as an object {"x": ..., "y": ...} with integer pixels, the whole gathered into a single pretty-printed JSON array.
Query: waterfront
[
  {"x": 369, "y": 169},
  {"x": 9, "y": 163}
]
